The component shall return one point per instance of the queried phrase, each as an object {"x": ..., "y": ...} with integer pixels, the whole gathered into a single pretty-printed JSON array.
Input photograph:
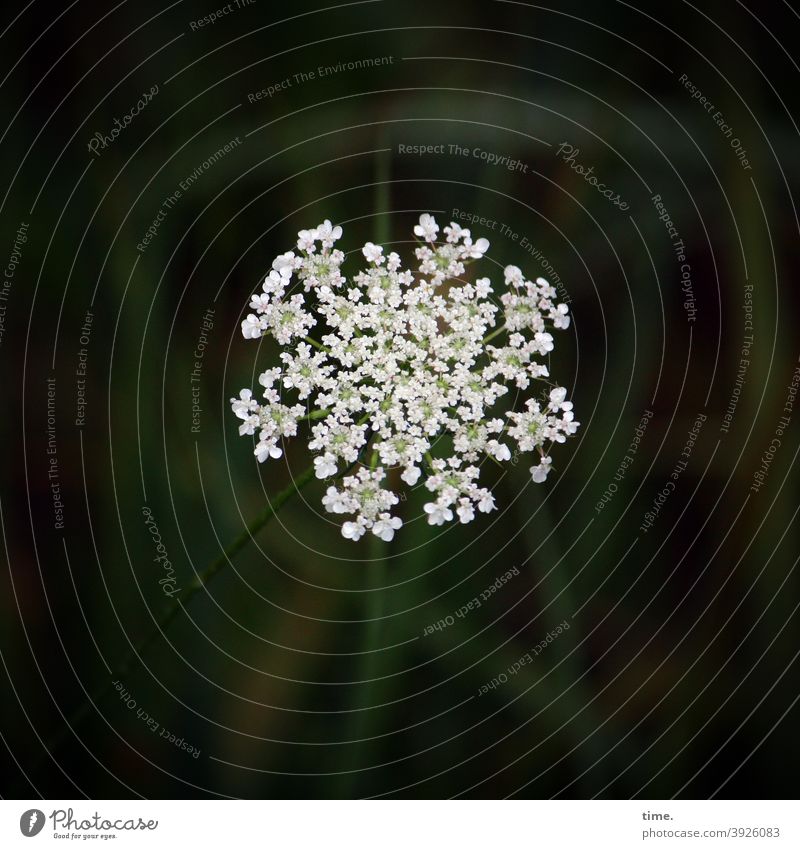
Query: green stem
[
  {"x": 494, "y": 333},
  {"x": 318, "y": 345},
  {"x": 363, "y": 722},
  {"x": 177, "y": 604},
  {"x": 382, "y": 200},
  {"x": 202, "y": 578},
  {"x": 318, "y": 414}
]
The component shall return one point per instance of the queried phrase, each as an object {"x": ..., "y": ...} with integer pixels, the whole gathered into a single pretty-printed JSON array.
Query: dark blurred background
[{"x": 678, "y": 674}]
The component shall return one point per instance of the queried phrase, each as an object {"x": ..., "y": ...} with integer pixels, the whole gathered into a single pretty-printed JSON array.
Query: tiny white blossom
[
  {"x": 386, "y": 526},
  {"x": 560, "y": 317},
  {"x": 335, "y": 501},
  {"x": 557, "y": 397},
  {"x": 427, "y": 228},
  {"x": 539, "y": 473},
  {"x": 325, "y": 466},
  {"x": 373, "y": 253},
  {"x": 244, "y": 405},
  {"x": 251, "y": 327},
  {"x": 486, "y": 502},
  {"x": 353, "y": 530},
  {"x": 411, "y": 475},
  {"x": 479, "y": 248},
  {"x": 306, "y": 240},
  {"x": 438, "y": 513},
  {"x": 285, "y": 264},
  {"x": 498, "y": 451},
  {"x": 328, "y": 234},
  {"x": 267, "y": 448},
  {"x": 465, "y": 510}
]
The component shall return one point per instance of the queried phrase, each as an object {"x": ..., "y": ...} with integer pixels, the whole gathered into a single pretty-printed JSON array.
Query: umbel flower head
[{"x": 404, "y": 380}]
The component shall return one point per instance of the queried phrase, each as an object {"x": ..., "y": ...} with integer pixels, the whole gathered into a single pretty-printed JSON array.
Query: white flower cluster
[{"x": 403, "y": 369}]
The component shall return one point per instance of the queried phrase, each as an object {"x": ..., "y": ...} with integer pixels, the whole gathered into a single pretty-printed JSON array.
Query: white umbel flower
[{"x": 400, "y": 359}]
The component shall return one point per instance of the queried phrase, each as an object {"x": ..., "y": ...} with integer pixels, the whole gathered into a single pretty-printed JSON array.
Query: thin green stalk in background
[
  {"x": 362, "y": 720},
  {"x": 571, "y": 686},
  {"x": 177, "y": 604}
]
